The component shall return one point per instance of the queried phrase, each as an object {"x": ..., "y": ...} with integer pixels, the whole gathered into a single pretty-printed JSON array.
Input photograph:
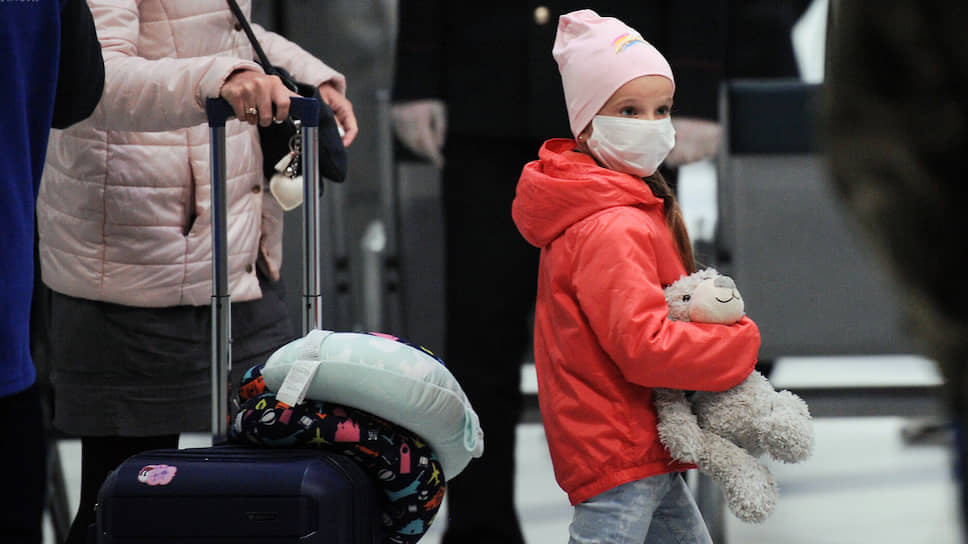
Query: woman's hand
[
  {"x": 252, "y": 95},
  {"x": 421, "y": 126},
  {"x": 342, "y": 110}
]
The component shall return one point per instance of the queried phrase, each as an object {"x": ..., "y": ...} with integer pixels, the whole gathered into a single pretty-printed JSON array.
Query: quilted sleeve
[
  {"x": 142, "y": 94},
  {"x": 618, "y": 288}
]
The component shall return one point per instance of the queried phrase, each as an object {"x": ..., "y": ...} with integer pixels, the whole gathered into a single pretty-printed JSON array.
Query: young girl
[{"x": 611, "y": 237}]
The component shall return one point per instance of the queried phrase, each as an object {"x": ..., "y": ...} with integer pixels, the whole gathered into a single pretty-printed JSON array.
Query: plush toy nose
[{"x": 725, "y": 282}]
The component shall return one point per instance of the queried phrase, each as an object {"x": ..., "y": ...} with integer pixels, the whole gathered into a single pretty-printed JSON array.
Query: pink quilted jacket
[{"x": 124, "y": 209}]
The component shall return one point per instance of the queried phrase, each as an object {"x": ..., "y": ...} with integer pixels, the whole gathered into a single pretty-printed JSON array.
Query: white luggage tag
[{"x": 293, "y": 388}]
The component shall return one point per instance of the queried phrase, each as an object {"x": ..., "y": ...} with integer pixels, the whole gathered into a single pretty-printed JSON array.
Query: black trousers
[
  {"x": 491, "y": 281},
  {"x": 23, "y": 454}
]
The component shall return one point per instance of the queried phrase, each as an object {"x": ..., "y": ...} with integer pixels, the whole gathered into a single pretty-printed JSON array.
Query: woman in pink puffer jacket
[{"x": 125, "y": 235}]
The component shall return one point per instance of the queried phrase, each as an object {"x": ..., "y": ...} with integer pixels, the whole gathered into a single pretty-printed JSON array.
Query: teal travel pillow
[{"x": 387, "y": 377}]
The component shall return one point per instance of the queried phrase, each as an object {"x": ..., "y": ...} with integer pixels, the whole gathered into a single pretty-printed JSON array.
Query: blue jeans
[{"x": 655, "y": 510}]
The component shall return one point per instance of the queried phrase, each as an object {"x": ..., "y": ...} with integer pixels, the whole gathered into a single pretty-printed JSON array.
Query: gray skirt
[{"x": 128, "y": 371}]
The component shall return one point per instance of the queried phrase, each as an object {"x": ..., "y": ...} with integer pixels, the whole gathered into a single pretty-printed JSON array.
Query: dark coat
[
  {"x": 80, "y": 71},
  {"x": 491, "y": 61},
  {"x": 54, "y": 78},
  {"x": 896, "y": 135}
]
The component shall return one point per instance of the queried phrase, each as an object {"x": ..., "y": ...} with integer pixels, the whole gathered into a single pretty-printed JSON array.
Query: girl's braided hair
[{"x": 673, "y": 214}]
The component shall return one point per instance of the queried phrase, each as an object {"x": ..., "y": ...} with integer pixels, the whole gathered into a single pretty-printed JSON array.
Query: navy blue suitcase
[
  {"x": 238, "y": 494},
  {"x": 231, "y": 493}
]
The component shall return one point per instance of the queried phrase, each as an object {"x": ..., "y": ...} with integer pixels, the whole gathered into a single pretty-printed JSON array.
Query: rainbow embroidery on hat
[{"x": 625, "y": 40}]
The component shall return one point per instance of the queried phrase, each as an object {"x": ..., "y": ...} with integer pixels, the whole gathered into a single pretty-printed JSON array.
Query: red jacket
[{"x": 602, "y": 337}]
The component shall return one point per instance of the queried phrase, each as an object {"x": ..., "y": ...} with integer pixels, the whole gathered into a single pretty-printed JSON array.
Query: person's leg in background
[
  {"x": 23, "y": 451},
  {"x": 23, "y": 447},
  {"x": 490, "y": 292},
  {"x": 99, "y": 456}
]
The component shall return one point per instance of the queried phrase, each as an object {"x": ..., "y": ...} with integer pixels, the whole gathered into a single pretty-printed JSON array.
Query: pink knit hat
[{"x": 597, "y": 55}]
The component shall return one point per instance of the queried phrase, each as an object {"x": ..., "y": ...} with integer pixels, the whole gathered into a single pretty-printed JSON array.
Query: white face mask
[{"x": 633, "y": 146}]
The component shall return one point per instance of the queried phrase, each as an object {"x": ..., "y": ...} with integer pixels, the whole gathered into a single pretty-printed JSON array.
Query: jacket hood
[{"x": 565, "y": 186}]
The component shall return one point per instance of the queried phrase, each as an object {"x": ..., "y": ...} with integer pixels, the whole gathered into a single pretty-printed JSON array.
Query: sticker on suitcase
[{"x": 157, "y": 474}]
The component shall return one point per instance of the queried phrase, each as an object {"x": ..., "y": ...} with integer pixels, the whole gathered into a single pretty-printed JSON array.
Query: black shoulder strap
[{"x": 263, "y": 59}]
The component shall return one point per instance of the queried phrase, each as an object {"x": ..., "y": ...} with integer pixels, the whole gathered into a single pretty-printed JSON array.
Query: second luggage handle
[{"x": 218, "y": 110}]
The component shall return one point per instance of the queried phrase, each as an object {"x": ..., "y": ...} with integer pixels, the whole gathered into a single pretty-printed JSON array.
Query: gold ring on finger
[{"x": 251, "y": 110}]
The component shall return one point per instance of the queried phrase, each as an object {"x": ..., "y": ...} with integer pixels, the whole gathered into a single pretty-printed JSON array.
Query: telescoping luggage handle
[{"x": 306, "y": 110}]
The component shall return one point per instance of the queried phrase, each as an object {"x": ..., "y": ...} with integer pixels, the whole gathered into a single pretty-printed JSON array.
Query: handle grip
[
  {"x": 305, "y": 109},
  {"x": 218, "y": 111}
]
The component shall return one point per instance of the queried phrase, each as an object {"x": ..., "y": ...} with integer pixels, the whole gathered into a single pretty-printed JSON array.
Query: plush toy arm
[
  {"x": 678, "y": 429},
  {"x": 749, "y": 487}
]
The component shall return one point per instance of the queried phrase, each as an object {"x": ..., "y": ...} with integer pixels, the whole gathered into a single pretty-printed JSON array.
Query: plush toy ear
[
  {"x": 716, "y": 300},
  {"x": 678, "y": 295}
]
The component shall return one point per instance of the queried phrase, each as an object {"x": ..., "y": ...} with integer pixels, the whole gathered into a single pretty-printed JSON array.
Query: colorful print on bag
[{"x": 402, "y": 463}]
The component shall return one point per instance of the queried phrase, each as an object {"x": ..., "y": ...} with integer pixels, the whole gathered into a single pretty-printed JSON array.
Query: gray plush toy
[{"x": 724, "y": 433}]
